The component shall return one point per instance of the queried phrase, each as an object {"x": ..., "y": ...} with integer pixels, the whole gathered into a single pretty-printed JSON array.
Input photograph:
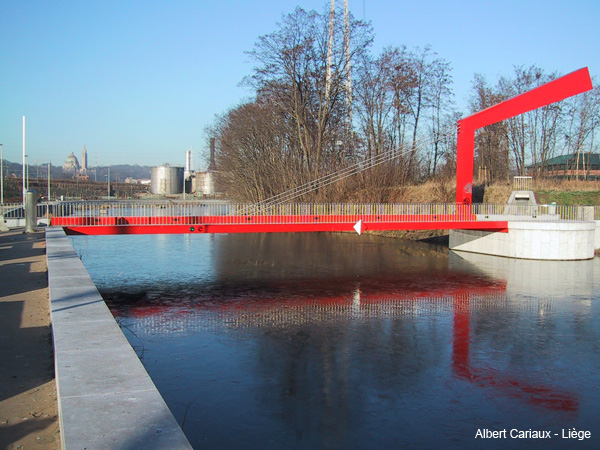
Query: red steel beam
[
  {"x": 464, "y": 214},
  {"x": 553, "y": 91}
]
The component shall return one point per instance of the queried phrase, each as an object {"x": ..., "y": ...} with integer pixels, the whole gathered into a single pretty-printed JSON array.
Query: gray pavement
[{"x": 28, "y": 410}]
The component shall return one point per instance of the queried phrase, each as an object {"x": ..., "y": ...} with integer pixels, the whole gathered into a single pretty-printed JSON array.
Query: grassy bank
[{"x": 565, "y": 192}]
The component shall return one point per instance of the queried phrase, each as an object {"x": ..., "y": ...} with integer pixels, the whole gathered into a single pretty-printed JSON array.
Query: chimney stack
[{"x": 212, "y": 165}]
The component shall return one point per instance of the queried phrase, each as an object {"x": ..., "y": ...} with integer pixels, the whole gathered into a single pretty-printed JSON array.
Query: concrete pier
[
  {"x": 559, "y": 241},
  {"x": 106, "y": 398}
]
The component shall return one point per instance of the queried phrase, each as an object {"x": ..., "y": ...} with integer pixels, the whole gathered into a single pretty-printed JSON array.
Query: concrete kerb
[
  {"x": 3, "y": 226},
  {"x": 106, "y": 398}
]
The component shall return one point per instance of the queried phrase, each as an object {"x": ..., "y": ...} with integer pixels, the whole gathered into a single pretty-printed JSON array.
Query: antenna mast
[
  {"x": 329, "y": 52},
  {"x": 348, "y": 66}
]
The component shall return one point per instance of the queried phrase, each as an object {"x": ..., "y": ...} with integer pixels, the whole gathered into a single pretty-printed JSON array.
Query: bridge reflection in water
[{"x": 320, "y": 341}]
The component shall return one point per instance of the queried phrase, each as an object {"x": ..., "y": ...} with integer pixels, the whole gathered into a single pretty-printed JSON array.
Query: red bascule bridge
[{"x": 143, "y": 218}]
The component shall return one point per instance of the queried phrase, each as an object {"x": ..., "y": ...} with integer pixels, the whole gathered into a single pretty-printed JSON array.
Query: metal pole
[
  {"x": 49, "y": 165},
  {"x": 329, "y": 51},
  {"x": 24, "y": 189},
  {"x": 1, "y": 174},
  {"x": 348, "y": 67},
  {"x": 109, "y": 183},
  {"x": 30, "y": 213}
]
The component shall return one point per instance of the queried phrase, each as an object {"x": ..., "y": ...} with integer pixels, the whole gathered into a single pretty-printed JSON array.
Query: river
[{"x": 343, "y": 341}]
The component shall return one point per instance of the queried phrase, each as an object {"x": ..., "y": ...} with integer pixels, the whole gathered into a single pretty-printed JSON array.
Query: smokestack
[
  {"x": 212, "y": 165},
  {"x": 188, "y": 164}
]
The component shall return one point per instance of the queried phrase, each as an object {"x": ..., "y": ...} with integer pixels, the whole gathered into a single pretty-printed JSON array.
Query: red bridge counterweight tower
[{"x": 554, "y": 91}]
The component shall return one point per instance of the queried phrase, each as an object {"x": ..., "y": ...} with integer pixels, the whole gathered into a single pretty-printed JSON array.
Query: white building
[{"x": 71, "y": 164}]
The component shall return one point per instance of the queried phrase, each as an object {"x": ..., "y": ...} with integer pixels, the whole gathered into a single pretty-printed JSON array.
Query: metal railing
[
  {"x": 522, "y": 183},
  {"x": 197, "y": 212},
  {"x": 550, "y": 212},
  {"x": 16, "y": 210}
]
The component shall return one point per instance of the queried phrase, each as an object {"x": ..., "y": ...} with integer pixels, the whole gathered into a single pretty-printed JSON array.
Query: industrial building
[
  {"x": 205, "y": 183},
  {"x": 172, "y": 180},
  {"x": 166, "y": 180},
  {"x": 579, "y": 165}
]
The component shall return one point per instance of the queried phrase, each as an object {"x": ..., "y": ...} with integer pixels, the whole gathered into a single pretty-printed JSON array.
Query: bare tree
[
  {"x": 528, "y": 141},
  {"x": 440, "y": 102},
  {"x": 397, "y": 91},
  {"x": 292, "y": 69},
  {"x": 581, "y": 127},
  {"x": 492, "y": 153},
  {"x": 297, "y": 128},
  {"x": 374, "y": 103},
  {"x": 532, "y": 135},
  {"x": 254, "y": 154}
]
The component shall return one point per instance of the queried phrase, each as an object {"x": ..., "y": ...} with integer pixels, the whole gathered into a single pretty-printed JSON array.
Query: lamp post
[
  {"x": 49, "y": 165},
  {"x": 24, "y": 188}
]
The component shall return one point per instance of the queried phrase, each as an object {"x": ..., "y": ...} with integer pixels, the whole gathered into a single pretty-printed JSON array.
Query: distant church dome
[{"x": 71, "y": 164}]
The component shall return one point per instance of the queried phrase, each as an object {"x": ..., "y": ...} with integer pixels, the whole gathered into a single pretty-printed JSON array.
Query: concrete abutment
[{"x": 559, "y": 241}]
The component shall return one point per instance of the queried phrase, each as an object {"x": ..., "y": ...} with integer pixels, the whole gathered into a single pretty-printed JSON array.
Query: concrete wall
[
  {"x": 531, "y": 240},
  {"x": 15, "y": 223},
  {"x": 106, "y": 398}
]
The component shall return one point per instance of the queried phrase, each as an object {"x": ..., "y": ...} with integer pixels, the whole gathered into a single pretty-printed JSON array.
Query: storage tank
[
  {"x": 205, "y": 183},
  {"x": 166, "y": 180}
]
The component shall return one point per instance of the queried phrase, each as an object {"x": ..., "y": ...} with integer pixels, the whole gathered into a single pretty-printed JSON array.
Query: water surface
[{"x": 340, "y": 341}]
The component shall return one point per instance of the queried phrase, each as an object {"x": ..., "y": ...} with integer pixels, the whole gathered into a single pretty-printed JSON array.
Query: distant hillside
[{"x": 121, "y": 171}]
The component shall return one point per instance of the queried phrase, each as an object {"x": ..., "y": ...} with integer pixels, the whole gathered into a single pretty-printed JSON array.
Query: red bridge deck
[{"x": 96, "y": 225}]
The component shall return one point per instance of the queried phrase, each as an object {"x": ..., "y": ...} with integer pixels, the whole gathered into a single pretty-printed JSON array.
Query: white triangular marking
[{"x": 359, "y": 227}]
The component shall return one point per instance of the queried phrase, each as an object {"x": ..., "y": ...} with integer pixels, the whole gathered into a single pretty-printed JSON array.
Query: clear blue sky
[{"x": 138, "y": 81}]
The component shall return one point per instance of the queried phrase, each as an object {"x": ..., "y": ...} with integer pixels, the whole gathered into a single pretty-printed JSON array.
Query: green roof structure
[
  {"x": 576, "y": 165},
  {"x": 587, "y": 161}
]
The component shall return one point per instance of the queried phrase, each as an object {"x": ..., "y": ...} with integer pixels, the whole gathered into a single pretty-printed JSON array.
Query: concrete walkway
[
  {"x": 106, "y": 398},
  {"x": 28, "y": 409}
]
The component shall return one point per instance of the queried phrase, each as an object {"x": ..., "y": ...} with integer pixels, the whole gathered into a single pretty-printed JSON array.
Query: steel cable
[{"x": 326, "y": 180}]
